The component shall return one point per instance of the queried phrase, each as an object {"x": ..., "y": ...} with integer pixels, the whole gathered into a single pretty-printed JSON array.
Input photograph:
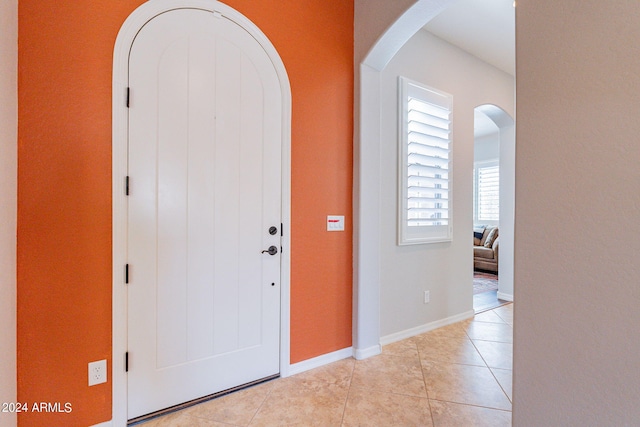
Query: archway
[{"x": 367, "y": 254}]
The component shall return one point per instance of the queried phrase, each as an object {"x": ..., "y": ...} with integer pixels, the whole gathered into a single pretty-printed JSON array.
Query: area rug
[{"x": 484, "y": 282}]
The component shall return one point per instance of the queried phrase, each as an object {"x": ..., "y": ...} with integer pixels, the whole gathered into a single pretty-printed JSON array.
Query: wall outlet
[
  {"x": 97, "y": 372},
  {"x": 427, "y": 297}
]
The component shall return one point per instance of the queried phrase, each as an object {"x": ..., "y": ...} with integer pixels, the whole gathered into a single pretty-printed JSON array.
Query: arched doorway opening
[
  {"x": 502, "y": 154},
  {"x": 368, "y": 255}
]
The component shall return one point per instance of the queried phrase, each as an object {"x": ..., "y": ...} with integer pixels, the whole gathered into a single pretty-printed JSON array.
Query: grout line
[
  {"x": 497, "y": 342},
  {"x": 488, "y": 367},
  {"x": 263, "y": 401},
  {"x": 503, "y": 319},
  {"x": 344, "y": 408},
  {"x": 353, "y": 371},
  {"x": 426, "y": 389},
  {"x": 478, "y": 351},
  {"x": 475, "y": 406},
  {"x": 433, "y": 421},
  {"x": 395, "y": 393},
  {"x": 500, "y": 384},
  {"x": 349, "y": 387}
]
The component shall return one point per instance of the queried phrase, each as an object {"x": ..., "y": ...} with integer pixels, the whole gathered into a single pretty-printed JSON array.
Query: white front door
[{"x": 205, "y": 130}]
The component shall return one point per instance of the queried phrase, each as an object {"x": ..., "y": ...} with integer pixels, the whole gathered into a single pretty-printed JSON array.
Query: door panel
[{"x": 204, "y": 163}]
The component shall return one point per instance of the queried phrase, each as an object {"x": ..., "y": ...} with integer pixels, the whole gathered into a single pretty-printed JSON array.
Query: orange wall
[{"x": 64, "y": 194}]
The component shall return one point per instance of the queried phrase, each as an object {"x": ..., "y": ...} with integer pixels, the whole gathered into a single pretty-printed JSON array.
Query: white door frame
[{"x": 123, "y": 44}]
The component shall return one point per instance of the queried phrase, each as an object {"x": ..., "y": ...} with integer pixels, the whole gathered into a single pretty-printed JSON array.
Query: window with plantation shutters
[
  {"x": 425, "y": 164},
  {"x": 487, "y": 193}
]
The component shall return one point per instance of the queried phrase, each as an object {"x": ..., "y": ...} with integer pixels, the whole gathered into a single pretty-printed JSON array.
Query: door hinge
[
  {"x": 126, "y": 273},
  {"x": 281, "y": 230},
  {"x": 126, "y": 362},
  {"x": 126, "y": 186},
  {"x": 128, "y": 96}
]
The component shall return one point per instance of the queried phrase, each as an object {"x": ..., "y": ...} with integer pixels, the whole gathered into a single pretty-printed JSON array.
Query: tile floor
[{"x": 458, "y": 375}]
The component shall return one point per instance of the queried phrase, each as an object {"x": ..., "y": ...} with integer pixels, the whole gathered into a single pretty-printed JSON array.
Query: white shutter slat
[
  {"x": 428, "y": 150},
  {"x": 420, "y": 118},
  {"x": 415, "y": 170},
  {"x": 435, "y": 165},
  {"x": 428, "y": 130},
  {"x": 423, "y": 100}
]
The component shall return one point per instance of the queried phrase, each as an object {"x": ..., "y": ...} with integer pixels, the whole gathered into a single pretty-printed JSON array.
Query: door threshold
[{"x": 143, "y": 418}]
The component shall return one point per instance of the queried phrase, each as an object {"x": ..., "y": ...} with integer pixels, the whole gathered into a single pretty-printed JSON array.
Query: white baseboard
[
  {"x": 316, "y": 362},
  {"x": 365, "y": 353},
  {"x": 105, "y": 424},
  {"x": 412, "y": 332},
  {"x": 505, "y": 297}
]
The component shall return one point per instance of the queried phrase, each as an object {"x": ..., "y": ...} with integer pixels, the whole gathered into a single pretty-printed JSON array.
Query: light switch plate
[{"x": 335, "y": 223}]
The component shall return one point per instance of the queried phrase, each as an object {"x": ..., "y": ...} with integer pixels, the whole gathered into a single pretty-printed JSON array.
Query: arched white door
[{"x": 204, "y": 204}]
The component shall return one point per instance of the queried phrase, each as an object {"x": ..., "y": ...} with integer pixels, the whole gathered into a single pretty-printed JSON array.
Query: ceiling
[{"x": 484, "y": 28}]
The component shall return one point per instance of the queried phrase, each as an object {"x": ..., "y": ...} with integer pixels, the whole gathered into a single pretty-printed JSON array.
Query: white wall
[
  {"x": 507, "y": 210},
  {"x": 8, "y": 188},
  {"x": 444, "y": 269},
  {"x": 577, "y": 273}
]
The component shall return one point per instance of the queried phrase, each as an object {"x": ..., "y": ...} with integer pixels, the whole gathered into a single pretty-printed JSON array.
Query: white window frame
[
  {"x": 476, "y": 191},
  {"x": 439, "y": 231}
]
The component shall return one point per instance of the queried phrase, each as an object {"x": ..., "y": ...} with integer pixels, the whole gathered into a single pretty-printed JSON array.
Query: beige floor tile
[
  {"x": 390, "y": 389},
  {"x": 488, "y": 316},
  {"x": 507, "y": 307},
  {"x": 449, "y": 349},
  {"x": 390, "y": 374},
  {"x": 237, "y": 408},
  {"x": 505, "y": 312},
  {"x": 404, "y": 348},
  {"x": 181, "y": 419},
  {"x": 499, "y": 332},
  {"x": 472, "y": 385},
  {"x": 297, "y": 402},
  {"x": 495, "y": 354},
  {"x": 367, "y": 408},
  {"x": 339, "y": 373},
  {"x": 505, "y": 378},
  {"x": 447, "y": 414},
  {"x": 455, "y": 330}
]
